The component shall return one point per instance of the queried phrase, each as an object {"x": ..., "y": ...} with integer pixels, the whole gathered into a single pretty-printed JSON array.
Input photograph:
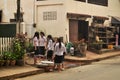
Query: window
[
  {"x": 99, "y": 2},
  {"x": 40, "y": 0},
  {"x": 81, "y": 0},
  {"x": 50, "y": 15}
]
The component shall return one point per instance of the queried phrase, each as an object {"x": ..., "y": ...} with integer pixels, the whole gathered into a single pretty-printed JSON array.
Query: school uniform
[
  {"x": 42, "y": 44},
  {"x": 36, "y": 44},
  {"x": 50, "y": 48},
  {"x": 59, "y": 53}
]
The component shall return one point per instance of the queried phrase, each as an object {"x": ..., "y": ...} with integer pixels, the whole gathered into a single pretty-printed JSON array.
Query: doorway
[
  {"x": 78, "y": 29},
  {"x": 82, "y": 30}
]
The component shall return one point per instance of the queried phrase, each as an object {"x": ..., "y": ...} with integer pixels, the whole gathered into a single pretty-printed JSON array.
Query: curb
[
  {"x": 88, "y": 61},
  {"x": 38, "y": 71},
  {"x": 12, "y": 77},
  {"x": 103, "y": 58}
]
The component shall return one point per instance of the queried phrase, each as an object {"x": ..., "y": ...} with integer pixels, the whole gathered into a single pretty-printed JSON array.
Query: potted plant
[
  {"x": 1, "y": 60},
  {"x": 98, "y": 44},
  {"x": 19, "y": 48},
  {"x": 13, "y": 59},
  {"x": 6, "y": 56}
]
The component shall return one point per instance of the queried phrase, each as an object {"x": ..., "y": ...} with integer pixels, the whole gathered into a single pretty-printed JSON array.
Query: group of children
[{"x": 55, "y": 49}]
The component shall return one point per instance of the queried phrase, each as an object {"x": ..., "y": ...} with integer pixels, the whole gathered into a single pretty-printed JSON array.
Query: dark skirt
[
  {"x": 36, "y": 51},
  {"x": 58, "y": 59},
  {"x": 42, "y": 50},
  {"x": 49, "y": 54}
]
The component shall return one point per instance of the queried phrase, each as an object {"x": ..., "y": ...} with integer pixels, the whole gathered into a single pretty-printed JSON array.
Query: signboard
[{"x": 7, "y": 30}]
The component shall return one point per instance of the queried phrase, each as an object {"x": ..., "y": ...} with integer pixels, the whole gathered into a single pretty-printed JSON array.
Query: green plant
[
  {"x": 6, "y": 55},
  {"x": 30, "y": 48},
  {"x": 18, "y": 45},
  {"x": 13, "y": 56},
  {"x": 1, "y": 56}
]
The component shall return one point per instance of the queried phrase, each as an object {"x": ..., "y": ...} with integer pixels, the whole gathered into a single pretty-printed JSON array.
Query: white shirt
[
  {"x": 35, "y": 41},
  {"x": 59, "y": 51},
  {"x": 50, "y": 45},
  {"x": 42, "y": 41}
]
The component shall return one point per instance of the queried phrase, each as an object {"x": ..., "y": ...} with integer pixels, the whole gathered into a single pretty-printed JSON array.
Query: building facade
[{"x": 69, "y": 19}]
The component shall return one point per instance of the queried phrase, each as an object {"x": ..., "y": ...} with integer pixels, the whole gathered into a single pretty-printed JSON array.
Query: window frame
[{"x": 99, "y": 2}]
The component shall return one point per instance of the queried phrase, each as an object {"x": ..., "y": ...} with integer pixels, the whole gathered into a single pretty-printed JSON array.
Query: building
[{"x": 69, "y": 19}]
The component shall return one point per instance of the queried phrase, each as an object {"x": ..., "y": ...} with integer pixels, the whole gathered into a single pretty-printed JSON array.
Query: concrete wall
[
  {"x": 54, "y": 27},
  {"x": 34, "y": 14},
  {"x": 78, "y": 7},
  {"x": 114, "y": 8},
  {"x": 9, "y": 7}
]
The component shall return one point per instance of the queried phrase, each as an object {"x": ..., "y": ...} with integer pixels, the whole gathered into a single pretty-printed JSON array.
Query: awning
[
  {"x": 101, "y": 17},
  {"x": 115, "y": 20},
  {"x": 77, "y": 16}
]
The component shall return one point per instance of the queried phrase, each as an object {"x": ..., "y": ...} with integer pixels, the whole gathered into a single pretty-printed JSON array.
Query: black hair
[
  {"x": 50, "y": 37},
  {"x": 59, "y": 40},
  {"x": 36, "y": 35},
  {"x": 42, "y": 33}
]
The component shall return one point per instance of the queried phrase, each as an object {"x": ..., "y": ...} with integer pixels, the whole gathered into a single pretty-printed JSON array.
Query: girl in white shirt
[
  {"x": 36, "y": 46},
  {"x": 59, "y": 54},
  {"x": 42, "y": 43},
  {"x": 50, "y": 47}
]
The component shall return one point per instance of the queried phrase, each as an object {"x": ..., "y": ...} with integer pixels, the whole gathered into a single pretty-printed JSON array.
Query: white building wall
[
  {"x": 9, "y": 7},
  {"x": 61, "y": 25},
  {"x": 86, "y": 8},
  {"x": 114, "y": 8},
  {"x": 56, "y": 27}
]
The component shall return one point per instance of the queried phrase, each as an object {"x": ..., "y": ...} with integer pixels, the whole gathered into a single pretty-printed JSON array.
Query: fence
[{"x": 5, "y": 44}]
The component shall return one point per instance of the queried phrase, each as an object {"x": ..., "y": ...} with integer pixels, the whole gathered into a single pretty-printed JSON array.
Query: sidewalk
[
  {"x": 8, "y": 73},
  {"x": 90, "y": 56}
]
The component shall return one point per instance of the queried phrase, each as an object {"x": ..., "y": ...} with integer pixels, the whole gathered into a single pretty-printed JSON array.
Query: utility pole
[{"x": 18, "y": 14}]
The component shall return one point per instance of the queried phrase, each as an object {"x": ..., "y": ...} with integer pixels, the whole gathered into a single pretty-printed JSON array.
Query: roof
[{"x": 115, "y": 20}]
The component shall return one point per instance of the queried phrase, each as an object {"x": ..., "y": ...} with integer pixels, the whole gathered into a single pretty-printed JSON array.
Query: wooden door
[{"x": 73, "y": 30}]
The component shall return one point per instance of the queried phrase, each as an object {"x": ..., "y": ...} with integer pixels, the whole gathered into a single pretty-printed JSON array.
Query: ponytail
[{"x": 59, "y": 40}]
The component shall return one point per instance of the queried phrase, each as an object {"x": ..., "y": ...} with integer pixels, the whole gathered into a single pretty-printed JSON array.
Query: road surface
[{"x": 104, "y": 70}]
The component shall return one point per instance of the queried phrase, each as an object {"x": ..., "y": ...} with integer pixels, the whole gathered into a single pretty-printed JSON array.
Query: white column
[{"x": 5, "y": 12}]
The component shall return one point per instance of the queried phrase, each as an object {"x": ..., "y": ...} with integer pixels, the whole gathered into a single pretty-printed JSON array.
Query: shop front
[
  {"x": 115, "y": 21},
  {"x": 78, "y": 26}
]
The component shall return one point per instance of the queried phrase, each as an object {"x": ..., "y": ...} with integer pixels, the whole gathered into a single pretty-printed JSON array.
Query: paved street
[{"x": 103, "y": 70}]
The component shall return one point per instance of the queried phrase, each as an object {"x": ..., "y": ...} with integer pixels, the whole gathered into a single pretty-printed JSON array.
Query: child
[
  {"x": 50, "y": 47},
  {"x": 59, "y": 54},
  {"x": 36, "y": 46}
]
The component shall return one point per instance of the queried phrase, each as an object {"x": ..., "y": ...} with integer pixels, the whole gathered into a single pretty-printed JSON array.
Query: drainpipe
[{"x": 34, "y": 24}]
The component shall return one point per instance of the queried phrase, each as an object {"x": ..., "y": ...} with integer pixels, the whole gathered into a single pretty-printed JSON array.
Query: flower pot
[
  {"x": 7, "y": 62},
  {"x": 1, "y": 63},
  {"x": 12, "y": 62},
  {"x": 20, "y": 62}
]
